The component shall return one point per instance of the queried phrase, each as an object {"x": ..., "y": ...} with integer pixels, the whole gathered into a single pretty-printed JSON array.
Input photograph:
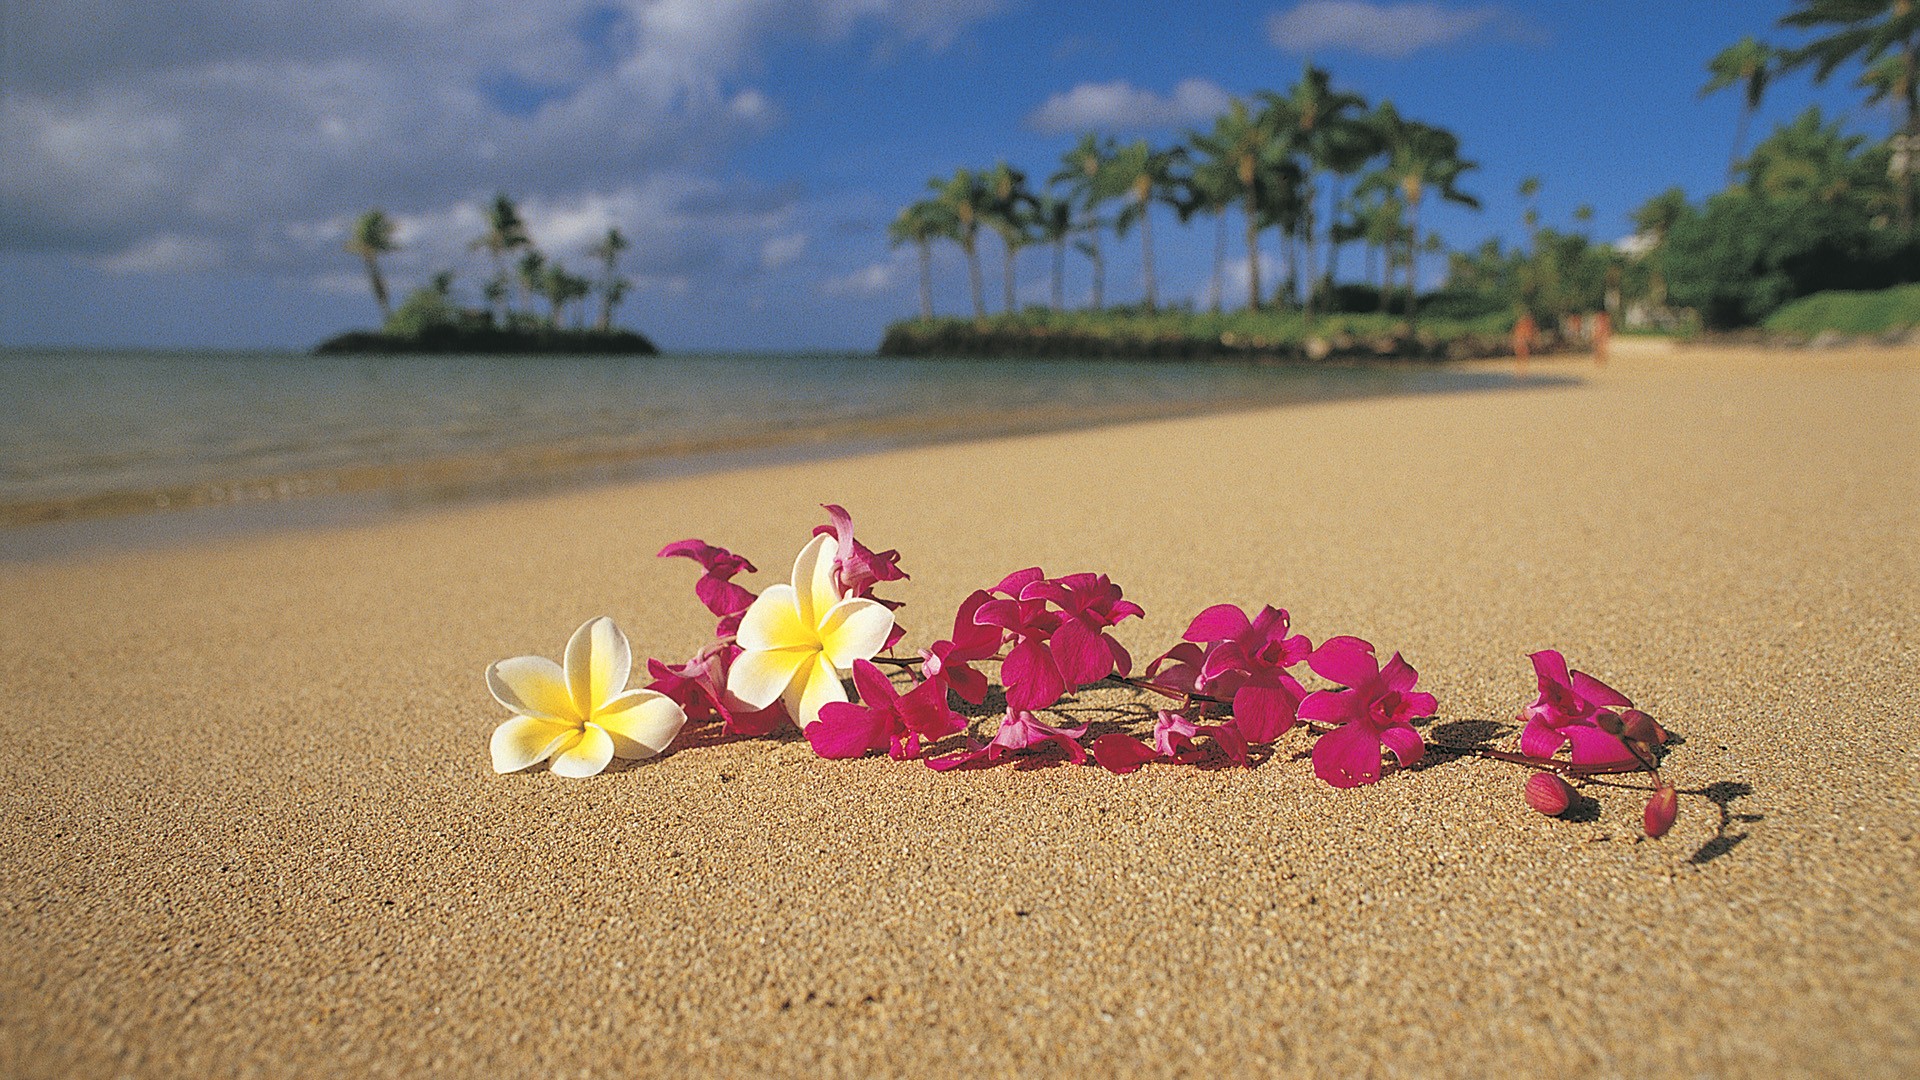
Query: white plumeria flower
[
  {"x": 801, "y": 638},
  {"x": 581, "y": 716}
]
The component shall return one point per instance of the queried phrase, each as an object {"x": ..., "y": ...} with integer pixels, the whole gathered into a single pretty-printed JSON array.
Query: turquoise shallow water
[{"x": 93, "y": 434}]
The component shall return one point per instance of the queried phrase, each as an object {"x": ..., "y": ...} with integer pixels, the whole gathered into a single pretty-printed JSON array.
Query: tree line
[
  {"x": 521, "y": 273},
  {"x": 1316, "y": 165}
]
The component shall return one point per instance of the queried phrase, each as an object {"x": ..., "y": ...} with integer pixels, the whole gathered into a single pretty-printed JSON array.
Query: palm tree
[
  {"x": 1054, "y": 221},
  {"x": 920, "y": 224},
  {"x": 965, "y": 196},
  {"x": 532, "y": 275},
  {"x": 612, "y": 287},
  {"x": 1530, "y": 217},
  {"x": 1308, "y": 117},
  {"x": 1009, "y": 212},
  {"x": 505, "y": 234},
  {"x": 1422, "y": 157},
  {"x": 1655, "y": 219},
  {"x": 1747, "y": 63},
  {"x": 1239, "y": 147},
  {"x": 1080, "y": 170},
  {"x": 372, "y": 237},
  {"x": 1146, "y": 176},
  {"x": 1868, "y": 30}
]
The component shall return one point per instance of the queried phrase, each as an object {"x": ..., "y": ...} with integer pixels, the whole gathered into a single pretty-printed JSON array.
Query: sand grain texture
[{"x": 252, "y": 829}]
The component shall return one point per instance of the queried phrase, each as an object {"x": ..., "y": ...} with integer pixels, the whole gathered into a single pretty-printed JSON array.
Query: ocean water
[{"x": 102, "y": 434}]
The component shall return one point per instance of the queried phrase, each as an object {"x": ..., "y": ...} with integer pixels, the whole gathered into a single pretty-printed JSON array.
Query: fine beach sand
[{"x": 251, "y": 827}]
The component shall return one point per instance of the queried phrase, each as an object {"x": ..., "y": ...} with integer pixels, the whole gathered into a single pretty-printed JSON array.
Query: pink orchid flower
[
  {"x": 857, "y": 568},
  {"x": 1567, "y": 711},
  {"x": 1030, "y": 673},
  {"x": 1246, "y": 660},
  {"x": 1088, "y": 604},
  {"x": 1173, "y": 740},
  {"x": 1375, "y": 709},
  {"x": 1020, "y": 730},
  {"x": 949, "y": 663},
  {"x": 699, "y": 686},
  {"x": 884, "y": 719},
  {"x": 716, "y": 588}
]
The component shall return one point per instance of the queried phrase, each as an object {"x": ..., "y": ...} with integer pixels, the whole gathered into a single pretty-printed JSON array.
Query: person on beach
[
  {"x": 1602, "y": 333},
  {"x": 1524, "y": 332}
]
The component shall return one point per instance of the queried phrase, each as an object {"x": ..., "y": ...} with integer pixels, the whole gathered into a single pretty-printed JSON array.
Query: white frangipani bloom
[
  {"x": 800, "y": 639},
  {"x": 582, "y": 716}
]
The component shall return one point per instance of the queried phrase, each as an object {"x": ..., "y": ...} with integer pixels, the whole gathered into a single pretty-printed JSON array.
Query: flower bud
[
  {"x": 1661, "y": 810},
  {"x": 1640, "y": 727},
  {"x": 1549, "y": 794},
  {"x": 1608, "y": 722}
]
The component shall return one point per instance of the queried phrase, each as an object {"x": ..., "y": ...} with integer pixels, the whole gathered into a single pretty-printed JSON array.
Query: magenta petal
[
  {"x": 1075, "y": 752},
  {"x": 1031, "y": 679},
  {"x": 1406, "y": 744},
  {"x": 1414, "y": 706},
  {"x": 924, "y": 711},
  {"x": 1550, "y": 667},
  {"x": 1591, "y": 746},
  {"x": 1399, "y": 675},
  {"x": 1348, "y": 661},
  {"x": 1347, "y": 757},
  {"x": 1263, "y": 713},
  {"x": 1233, "y": 742},
  {"x": 1220, "y": 622},
  {"x": 876, "y": 691},
  {"x": 1080, "y": 653},
  {"x": 1539, "y": 740},
  {"x": 971, "y": 685},
  {"x": 1121, "y": 754},
  {"x": 1018, "y": 580},
  {"x": 846, "y": 731},
  {"x": 1330, "y": 706},
  {"x": 1599, "y": 693},
  {"x": 973, "y": 754}
]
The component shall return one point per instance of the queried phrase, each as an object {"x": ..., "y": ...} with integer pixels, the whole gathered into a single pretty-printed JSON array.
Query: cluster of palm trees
[
  {"x": 1883, "y": 35},
  {"x": 521, "y": 270},
  {"x": 1314, "y": 164}
]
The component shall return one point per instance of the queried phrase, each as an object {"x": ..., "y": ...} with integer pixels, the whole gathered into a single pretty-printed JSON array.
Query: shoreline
[{"x": 41, "y": 528}]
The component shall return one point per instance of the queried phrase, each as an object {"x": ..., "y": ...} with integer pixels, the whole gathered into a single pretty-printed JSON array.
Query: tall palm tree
[
  {"x": 505, "y": 234},
  {"x": 1868, "y": 30},
  {"x": 532, "y": 276},
  {"x": 1308, "y": 118},
  {"x": 965, "y": 196},
  {"x": 920, "y": 224},
  {"x": 1421, "y": 157},
  {"x": 1010, "y": 214},
  {"x": 1080, "y": 170},
  {"x": 1054, "y": 225},
  {"x": 370, "y": 238},
  {"x": 1236, "y": 153},
  {"x": 612, "y": 287},
  {"x": 1748, "y": 64},
  {"x": 1655, "y": 219},
  {"x": 1146, "y": 176}
]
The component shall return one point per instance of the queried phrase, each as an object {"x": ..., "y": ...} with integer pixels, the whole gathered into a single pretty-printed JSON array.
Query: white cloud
[
  {"x": 1373, "y": 29},
  {"x": 165, "y": 253},
  {"x": 1120, "y": 106},
  {"x": 872, "y": 279},
  {"x": 779, "y": 251}
]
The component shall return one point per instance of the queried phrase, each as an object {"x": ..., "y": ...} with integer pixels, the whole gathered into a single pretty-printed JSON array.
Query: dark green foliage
[
  {"x": 1876, "y": 312},
  {"x": 1188, "y": 335},
  {"x": 485, "y": 338}
]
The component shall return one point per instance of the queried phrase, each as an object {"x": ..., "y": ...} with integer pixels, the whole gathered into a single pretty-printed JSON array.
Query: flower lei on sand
[{"x": 784, "y": 656}]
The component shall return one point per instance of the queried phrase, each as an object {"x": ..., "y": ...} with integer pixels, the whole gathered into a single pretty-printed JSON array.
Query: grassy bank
[
  {"x": 444, "y": 339},
  {"x": 1186, "y": 335},
  {"x": 1880, "y": 311}
]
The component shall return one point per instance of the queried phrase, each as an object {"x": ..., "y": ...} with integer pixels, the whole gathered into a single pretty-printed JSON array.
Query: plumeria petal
[
  {"x": 586, "y": 757},
  {"x": 532, "y": 686},
  {"x": 524, "y": 741},
  {"x": 813, "y": 586},
  {"x": 598, "y": 663},
  {"x": 642, "y": 723},
  {"x": 854, "y": 629},
  {"x": 813, "y": 686},
  {"x": 774, "y": 622},
  {"x": 759, "y": 677}
]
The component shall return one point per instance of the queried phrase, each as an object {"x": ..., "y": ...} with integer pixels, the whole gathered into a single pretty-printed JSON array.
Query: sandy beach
[{"x": 253, "y": 828}]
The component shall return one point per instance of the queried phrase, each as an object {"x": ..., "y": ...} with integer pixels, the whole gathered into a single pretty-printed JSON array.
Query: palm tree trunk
[
  {"x": 973, "y": 277},
  {"x": 1099, "y": 276},
  {"x": 1219, "y": 262},
  {"x": 379, "y": 285},
  {"x": 1146, "y": 250},
  {"x": 1309, "y": 251},
  {"x": 1913, "y": 140},
  {"x": 1739, "y": 143},
  {"x": 1253, "y": 254},
  {"x": 1007, "y": 300},
  {"x": 926, "y": 278},
  {"x": 1413, "y": 258},
  {"x": 1060, "y": 274}
]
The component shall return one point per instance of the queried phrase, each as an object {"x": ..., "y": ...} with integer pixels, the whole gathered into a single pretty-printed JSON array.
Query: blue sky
[{"x": 181, "y": 175}]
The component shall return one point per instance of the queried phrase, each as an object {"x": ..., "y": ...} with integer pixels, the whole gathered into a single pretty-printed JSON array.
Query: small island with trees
[
  {"x": 1812, "y": 237},
  {"x": 430, "y": 320}
]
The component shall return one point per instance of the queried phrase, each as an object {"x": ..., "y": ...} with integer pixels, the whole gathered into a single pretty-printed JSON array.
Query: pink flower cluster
[{"x": 1231, "y": 679}]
